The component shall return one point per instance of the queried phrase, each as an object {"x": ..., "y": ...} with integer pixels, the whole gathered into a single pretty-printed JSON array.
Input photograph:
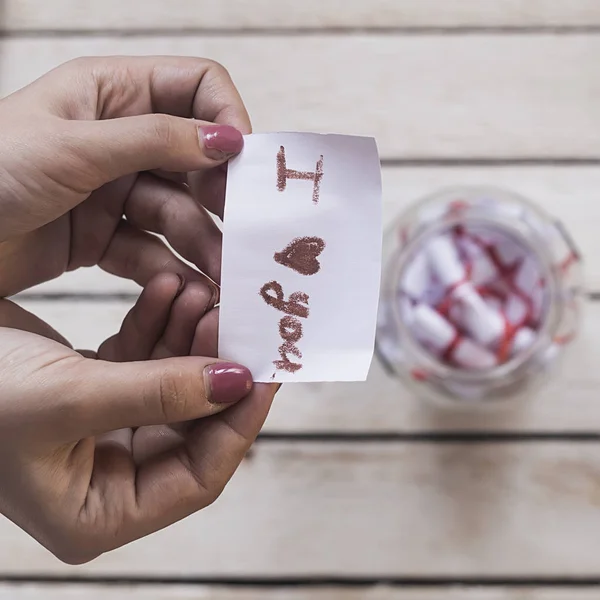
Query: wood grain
[
  {"x": 194, "y": 592},
  {"x": 570, "y": 193},
  {"x": 423, "y": 97},
  {"x": 374, "y": 510},
  {"x": 237, "y": 14},
  {"x": 382, "y": 404}
]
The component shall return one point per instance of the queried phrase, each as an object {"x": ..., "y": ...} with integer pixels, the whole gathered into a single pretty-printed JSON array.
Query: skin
[{"x": 97, "y": 450}]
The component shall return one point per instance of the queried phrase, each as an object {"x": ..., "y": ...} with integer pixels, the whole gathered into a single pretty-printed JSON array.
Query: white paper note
[{"x": 302, "y": 257}]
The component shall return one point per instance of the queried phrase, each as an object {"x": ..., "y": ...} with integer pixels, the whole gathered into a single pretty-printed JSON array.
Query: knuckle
[
  {"x": 213, "y": 495},
  {"x": 81, "y": 63},
  {"x": 73, "y": 549},
  {"x": 74, "y": 558},
  {"x": 175, "y": 396},
  {"x": 216, "y": 68},
  {"x": 164, "y": 131}
]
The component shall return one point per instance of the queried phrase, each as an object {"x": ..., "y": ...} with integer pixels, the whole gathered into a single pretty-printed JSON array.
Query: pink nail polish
[
  {"x": 220, "y": 141},
  {"x": 227, "y": 382}
]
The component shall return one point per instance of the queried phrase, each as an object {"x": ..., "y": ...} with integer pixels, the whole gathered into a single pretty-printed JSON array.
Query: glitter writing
[
  {"x": 290, "y": 327},
  {"x": 283, "y": 174},
  {"x": 301, "y": 255}
]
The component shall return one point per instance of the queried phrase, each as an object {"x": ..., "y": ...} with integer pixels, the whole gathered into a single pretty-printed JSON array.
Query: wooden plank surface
[
  {"x": 373, "y": 510},
  {"x": 423, "y": 97},
  {"x": 193, "y": 592},
  {"x": 238, "y": 14},
  {"x": 569, "y": 193},
  {"x": 381, "y": 404}
]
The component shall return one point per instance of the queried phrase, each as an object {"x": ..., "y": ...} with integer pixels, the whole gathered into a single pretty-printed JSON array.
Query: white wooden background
[{"x": 358, "y": 491}]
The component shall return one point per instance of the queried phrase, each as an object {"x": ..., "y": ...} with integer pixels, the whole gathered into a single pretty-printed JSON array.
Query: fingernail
[
  {"x": 181, "y": 285},
  {"x": 220, "y": 141},
  {"x": 227, "y": 382}
]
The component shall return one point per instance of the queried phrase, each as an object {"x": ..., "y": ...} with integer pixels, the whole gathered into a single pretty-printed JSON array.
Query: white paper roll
[
  {"x": 483, "y": 324},
  {"x": 470, "y": 355},
  {"x": 528, "y": 275},
  {"x": 445, "y": 261},
  {"x": 416, "y": 278},
  {"x": 524, "y": 339},
  {"x": 431, "y": 329},
  {"x": 515, "y": 310},
  {"x": 483, "y": 270}
]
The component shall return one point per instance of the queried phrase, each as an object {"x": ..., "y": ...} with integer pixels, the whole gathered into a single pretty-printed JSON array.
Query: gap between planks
[
  {"x": 182, "y": 32},
  {"x": 341, "y": 591}
]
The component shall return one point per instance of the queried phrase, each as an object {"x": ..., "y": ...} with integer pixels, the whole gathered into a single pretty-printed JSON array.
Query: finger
[
  {"x": 127, "y": 85},
  {"x": 193, "y": 303},
  {"x": 122, "y": 438},
  {"x": 181, "y": 178},
  {"x": 15, "y": 317},
  {"x": 149, "y": 442},
  {"x": 109, "y": 149},
  {"x": 206, "y": 336},
  {"x": 145, "y": 323},
  {"x": 103, "y": 396},
  {"x": 208, "y": 188},
  {"x": 140, "y": 256},
  {"x": 174, "y": 485},
  {"x": 168, "y": 209}
]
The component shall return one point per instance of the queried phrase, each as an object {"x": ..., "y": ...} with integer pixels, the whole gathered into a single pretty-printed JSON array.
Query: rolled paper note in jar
[
  {"x": 478, "y": 298},
  {"x": 416, "y": 279},
  {"x": 444, "y": 259},
  {"x": 437, "y": 333}
]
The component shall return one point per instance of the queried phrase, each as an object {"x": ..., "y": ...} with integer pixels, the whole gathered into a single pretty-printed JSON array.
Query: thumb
[
  {"x": 113, "y": 148},
  {"x": 105, "y": 396}
]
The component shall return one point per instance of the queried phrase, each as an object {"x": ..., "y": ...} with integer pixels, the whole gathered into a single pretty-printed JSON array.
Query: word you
[{"x": 301, "y": 255}]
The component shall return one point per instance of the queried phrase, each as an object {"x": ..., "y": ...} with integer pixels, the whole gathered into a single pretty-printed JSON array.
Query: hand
[
  {"x": 87, "y": 175},
  {"x": 87, "y": 171},
  {"x": 164, "y": 323},
  {"x": 74, "y": 473}
]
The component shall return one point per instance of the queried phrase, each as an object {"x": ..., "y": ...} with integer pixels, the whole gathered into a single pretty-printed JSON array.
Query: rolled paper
[
  {"x": 470, "y": 355},
  {"x": 483, "y": 271},
  {"x": 445, "y": 262},
  {"x": 516, "y": 310},
  {"x": 431, "y": 329},
  {"x": 434, "y": 294},
  {"x": 437, "y": 333},
  {"x": 527, "y": 276},
  {"x": 483, "y": 324},
  {"x": 523, "y": 339},
  {"x": 416, "y": 277}
]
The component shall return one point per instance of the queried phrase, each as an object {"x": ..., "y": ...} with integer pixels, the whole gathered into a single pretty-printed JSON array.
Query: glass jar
[{"x": 501, "y": 225}]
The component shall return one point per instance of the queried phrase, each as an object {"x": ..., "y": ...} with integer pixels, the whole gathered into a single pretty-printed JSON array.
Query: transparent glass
[{"x": 528, "y": 227}]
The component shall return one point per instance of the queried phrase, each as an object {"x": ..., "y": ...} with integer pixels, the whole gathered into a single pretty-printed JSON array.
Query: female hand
[
  {"x": 85, "y": 174},
  {"x": 86, "y": 169},
  {"x": 88, "y": 461}
]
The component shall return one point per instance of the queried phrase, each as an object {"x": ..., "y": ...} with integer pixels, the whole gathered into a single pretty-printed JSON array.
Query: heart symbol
[{"x": 301, "y": 255}]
